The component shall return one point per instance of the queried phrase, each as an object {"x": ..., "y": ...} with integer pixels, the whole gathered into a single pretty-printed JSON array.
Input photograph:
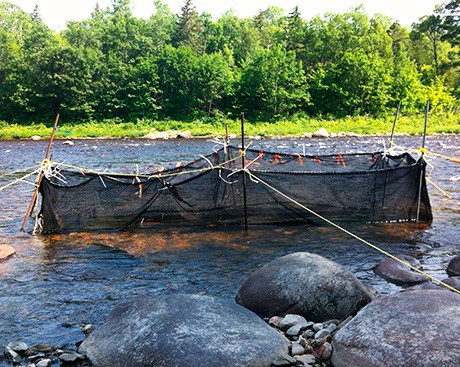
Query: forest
[{"x": 186, "y": 66}]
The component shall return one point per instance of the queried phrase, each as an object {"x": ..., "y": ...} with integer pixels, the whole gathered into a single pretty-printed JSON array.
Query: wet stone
[
  {"x": 325, "y": 351},
  {"x": 297, "y": 349},
  {"x": 306, "y": 359},
  {"x": 275, "y": 321},
  {"x": 297, "y": 329},
  {"x": 453, "y": 268},
  {"x": 309, "y": 334},
  {"x": 317, "y": 327},
  {"x": 18, "y": 346},
  {"x": 34, "y": 357},
  {"x": 284, "y": 360},
  {"x": 46, "y": 348},
  {"x": 87, "y": 329},
  {"x": 11, "y": 355},
  {"x": 291, "y": 320},
  {"x": 323, "y": 333},
  {"x": 331, "y": 328},
  {"x": 44, "y": 363},
  {"x": 70, "y": 357}
]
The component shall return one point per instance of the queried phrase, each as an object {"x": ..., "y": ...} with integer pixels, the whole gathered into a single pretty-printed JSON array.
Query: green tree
[
  {"x": 232, "y": 33},
  {"x": 451, "y": 22},
  {"x": 273, "y": 85},
  {"x": 349, "y": 63}
]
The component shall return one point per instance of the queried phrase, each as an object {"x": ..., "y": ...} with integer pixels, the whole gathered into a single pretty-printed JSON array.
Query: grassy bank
[{"x": 295, "y": 127}]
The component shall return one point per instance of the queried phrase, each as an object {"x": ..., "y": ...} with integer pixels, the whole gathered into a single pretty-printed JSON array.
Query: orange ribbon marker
[
  {"x": 299, "y": 157},
  {"x": 340, "y": 160}
]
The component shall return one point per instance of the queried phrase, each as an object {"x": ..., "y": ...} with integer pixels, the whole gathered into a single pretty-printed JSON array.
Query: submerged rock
[
  {"x": 183, "y": 330},
  {"x": 6, "y": 251},
  {"x": 304, "y": 284},
  {"x": 398, "y": 273},
  {"x": 417, "y": 328}
]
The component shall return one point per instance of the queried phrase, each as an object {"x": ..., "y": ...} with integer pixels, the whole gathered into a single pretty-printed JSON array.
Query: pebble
[
  {"x": 87, "y": 329},
  {"x": 309, "y": 340},
  {"x": 317, "y": 327},
  {"x": 306, "y": 359},
  {"x": 18, "y": 346},
  {"x": 290, "y": 320},
  {"x": 284, "y": 360},
  {"x": 44, "y": 363},
  {"x": 323, "y": 333},
  {"x": 297, "y": 349},
  {"x": 11, "y": 355},
  {"x": 70, "y": 357}
]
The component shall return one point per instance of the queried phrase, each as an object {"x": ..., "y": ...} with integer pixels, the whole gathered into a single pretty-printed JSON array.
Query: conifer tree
[{"x": 189, "y": 29}]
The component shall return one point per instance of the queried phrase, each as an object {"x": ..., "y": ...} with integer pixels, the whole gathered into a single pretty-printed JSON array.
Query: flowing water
[{"x": 55, "y": 284}]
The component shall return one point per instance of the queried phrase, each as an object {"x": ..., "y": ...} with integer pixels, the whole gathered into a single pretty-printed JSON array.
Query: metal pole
[
  {"x": 422, "y": 169},
  {"x": 394, "y": 123},
  {"x": 40, "y": 177},
  {"x": 244, "y": 175}
]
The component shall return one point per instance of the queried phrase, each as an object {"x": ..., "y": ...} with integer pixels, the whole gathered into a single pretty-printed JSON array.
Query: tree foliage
[{"x": 114, "y": 65}]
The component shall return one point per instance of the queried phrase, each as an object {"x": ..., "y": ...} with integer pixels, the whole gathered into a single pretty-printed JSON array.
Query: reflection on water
[{"x": 57, "y": 283}]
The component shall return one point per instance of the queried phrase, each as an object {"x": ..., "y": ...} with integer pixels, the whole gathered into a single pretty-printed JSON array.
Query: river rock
[
  {"x": 453, "y": 269},
  {"x": 11, "y": 355},
  {"x": 417, "y": 328},
  {"x": 398, "y": 273},
  {"x": 304, "y": 284},
  {"x": 321, "y": 133},
  {"x": 453, "y": 282},
  {"x": 18, "y": 346},
  {"x": 183, "y": 330},
  {"x": 6, "y": 251},
  {"x": 184, "y": 135}
]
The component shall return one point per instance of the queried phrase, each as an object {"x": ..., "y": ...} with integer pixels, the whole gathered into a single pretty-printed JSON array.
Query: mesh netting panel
[{"x": 344, "y": 187}]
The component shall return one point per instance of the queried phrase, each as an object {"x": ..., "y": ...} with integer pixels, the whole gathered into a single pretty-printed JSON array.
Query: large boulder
[
  {"x": 395, "y": 272},
  {"x": 453, "y": 268},
  {"x": 304, "y": 284},
  {"x": 416, "y": 328},
  {"x": 183, "y": 330}
]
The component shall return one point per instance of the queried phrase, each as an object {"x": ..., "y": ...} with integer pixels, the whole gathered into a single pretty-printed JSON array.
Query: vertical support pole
[
  {"x": 422, "y": 170},
  {"x": 40, "y": 177},
  {"x": 245, "y": 203},
  {"x": 394, "y": 123}
]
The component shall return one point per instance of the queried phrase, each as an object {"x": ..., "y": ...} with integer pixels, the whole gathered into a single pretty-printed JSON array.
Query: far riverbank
[{"x": 406, "y": 125}]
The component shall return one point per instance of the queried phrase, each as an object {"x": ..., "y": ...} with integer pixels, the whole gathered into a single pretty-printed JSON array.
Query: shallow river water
[{"x": 55, "y": 284}]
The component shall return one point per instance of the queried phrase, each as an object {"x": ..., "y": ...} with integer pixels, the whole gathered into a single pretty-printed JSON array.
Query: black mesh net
[{"x": 371, "y": 187}]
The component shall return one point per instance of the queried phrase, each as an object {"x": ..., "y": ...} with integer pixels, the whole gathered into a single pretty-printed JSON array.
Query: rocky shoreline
[{"x": 404, "y": 328}]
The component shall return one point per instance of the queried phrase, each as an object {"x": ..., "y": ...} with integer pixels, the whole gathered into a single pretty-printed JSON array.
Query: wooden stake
[
  {"x": 244, "y": 175},
  {"x": 40, "y": 177},
  {"x": 422, "y": 170}
]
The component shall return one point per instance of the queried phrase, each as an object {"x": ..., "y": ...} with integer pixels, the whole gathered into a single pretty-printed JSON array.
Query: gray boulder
[
  {"x": 304, "y": 284},
  {"x": 398, "y": 273},
  {"x": 417, "y": 328},
  {"x": 454, "y": 282},
  {"x": 183, "y": 330},
  {"x": 453, "y": 269}
]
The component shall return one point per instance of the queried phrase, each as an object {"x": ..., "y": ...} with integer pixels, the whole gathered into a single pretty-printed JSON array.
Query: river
[{"x": 55, "y": 284}]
